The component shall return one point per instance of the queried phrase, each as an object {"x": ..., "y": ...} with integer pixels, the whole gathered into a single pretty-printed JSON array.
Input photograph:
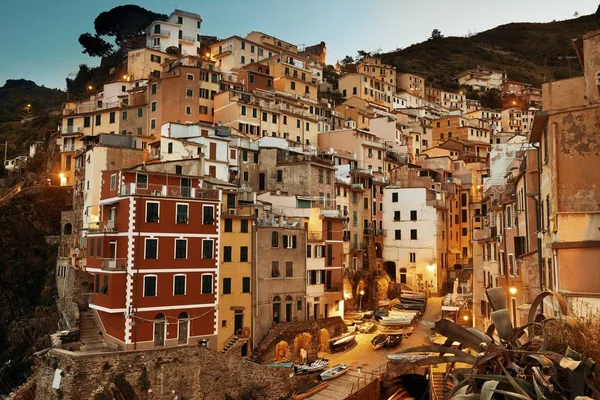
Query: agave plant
[{"x": 507, "y": 361}]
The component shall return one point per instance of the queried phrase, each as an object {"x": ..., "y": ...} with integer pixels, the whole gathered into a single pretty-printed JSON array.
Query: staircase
[
  {"x": 438, "y": 387},
  {"x": 90, "y": 335},
  {"x": 229, "y": 343}
]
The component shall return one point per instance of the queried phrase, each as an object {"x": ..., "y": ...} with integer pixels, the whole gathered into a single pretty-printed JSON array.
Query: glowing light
[
  {"x": 28, "y": 105},
  {"x": 431, "y": 267},
  {"x": 90, "y": 87},
  {"x": 61, "y": 175},
  {"x": 346, "y": 295},
  {"x": 466, "y": 317},
  {"x": 514, "y": 103},
  {"x": 125, "y": 77},
  {"x": 208, "y": 55},
  {"x": 362, "y": 292},
  {"x": 512, "y": 290}
]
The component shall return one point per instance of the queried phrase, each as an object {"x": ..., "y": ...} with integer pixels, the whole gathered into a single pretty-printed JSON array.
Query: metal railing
[
  {"x": 161, "y": 32},
  {"x": 103, "y": 226},
  {"x": 187, "y": 38},
  {"x": 168, "y": 191},
  {"x": 119, "y": 264}
]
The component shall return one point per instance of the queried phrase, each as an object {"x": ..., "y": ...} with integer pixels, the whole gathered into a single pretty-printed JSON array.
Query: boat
[
  {"x": 384, "y": 340},
  {"x": 396, "y": 330},
  {"x": 366, "y": 327},
  {"x": 413, "y": 294},
  {"x": 387, "y": 321},
  {"x": 281, "y": 365},
  {"x": 407, "y": 357},
  {"x": 334, "y": 372},
  {"x": 309, "y": 389},
  {"x": 315, "y": 366},
  {"x": 378, "y": 341},
  {"x": 343, "y": 341}
]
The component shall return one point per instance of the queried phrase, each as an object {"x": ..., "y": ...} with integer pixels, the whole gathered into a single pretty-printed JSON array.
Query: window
[
  {"x": 179, "y": 285},
  {"x": 152, "y": 211},
  {"x": 227, "y": 254},
  {"x": 289, "y": 242},
  {"x": 289, "y": 269},
  {"x": 394, "y": 197},
  {"x": 413, "y": 215},
  {"x": 511, "y": 265},
  {"x": 274, "y": 118},
  {"x": 141, "y": 181},
  {"x": 189, "y": 92},
  {"x": 246, "y": 285},
  {"x": 308, "y": 251},
  {"x": 412, "y": 257},
  {"x": 243, "y": 112},
  {"x": 149, "y": 285},
  {"x": 242, "y": 60},
  {"x": 274, "y": 239},
  {"x": 153, "y": 123},
  {"x": 226, "y": 286},
  {"x": 244, "y": 226},
  {"x": 298, "y": 123},
  {"x": 228, "y": 225},
  {"x": 279, "y": 175},
  {"x": 113, "y": 182},
  {"x": 243, "y": 45},
  {"x": 285, "y": 119},
  {"x": 208, "y": 213},
  {"x": 413, "y": 234},
  {"x": 151, "y": 252},
  {"x": 207, "y": 284},
  {"x": 398, "y": 234},
  {"x": 180, "y": 248},
  {"x": 124, "y": 115},
  {"x": 111, "y": 118},
  {"x": 502, "y": 267},
  {"x": 207, "y": 249},
  {"x": 244, "y": 254},
  {"x": 274, "y": 269},
  {"x": 182, "y": 212},
  {"x": 396, "y": 215},
  {"x": 464, "y": 231}
]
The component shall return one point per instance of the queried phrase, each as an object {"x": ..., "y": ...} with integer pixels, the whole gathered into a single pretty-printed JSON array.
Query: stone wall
[
  {"x": 74, "y": 287},
  {"x": 289, "y": 330},
  {"x": 190, "y": 372},
  {"x": 372, "y": 391}
]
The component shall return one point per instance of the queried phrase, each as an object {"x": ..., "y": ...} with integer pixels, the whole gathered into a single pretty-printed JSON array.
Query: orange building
[{"x": 155, "y": 267}]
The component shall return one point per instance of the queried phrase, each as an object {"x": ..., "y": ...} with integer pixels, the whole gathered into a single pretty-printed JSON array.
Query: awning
[{"x": 539, "y": 124}]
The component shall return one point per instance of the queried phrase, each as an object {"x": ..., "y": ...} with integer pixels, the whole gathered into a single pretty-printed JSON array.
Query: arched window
[
  {"x": 403, "y": 275},
  {"x": 68, "y": 229},
  {"x": 276, "y": 309},
  {"x": 183, "y": 327},
  {"x": 159, "y": 329},
  {"x": 288, "y": 308}
]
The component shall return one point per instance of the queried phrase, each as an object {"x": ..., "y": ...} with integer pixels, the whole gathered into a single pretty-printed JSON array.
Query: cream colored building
[
  {"x": 367, "y": 88},
  {"x": 181, "y": 30},
  {"x": 412, "y": 83}
]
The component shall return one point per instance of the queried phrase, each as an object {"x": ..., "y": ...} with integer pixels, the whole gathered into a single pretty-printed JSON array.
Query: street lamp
[
  {"x": 431, "y": 267},
  {"x": 362, "y": 293},
  {"x": 512, "y": 290}
]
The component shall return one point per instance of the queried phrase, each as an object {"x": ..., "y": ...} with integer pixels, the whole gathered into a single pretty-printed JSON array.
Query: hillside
[
  {"x": 16, "y": 94},
  {"x": 529, "y": 52}
]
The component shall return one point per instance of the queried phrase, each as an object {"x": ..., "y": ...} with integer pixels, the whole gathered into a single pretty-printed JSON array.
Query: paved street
[{"x": 372, "y": 362}]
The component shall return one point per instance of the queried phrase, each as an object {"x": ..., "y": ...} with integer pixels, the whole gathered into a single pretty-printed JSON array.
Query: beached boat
[
  {"x": 366, "y": 327},
  {"x": 308, "y": 390},
  {"x": 386, "y": 341},
  {"x": 396, "y": 330},
  {"x": 315, "y": 366},
  {"x": 387, "y": 321},
  {"x": 281, "y": 365},
  {"x": 341, "y": 342},
  {"x": 334, "y": 372},
  {"x": 406, "y": 357},
  {"x": 412, "y": 294}
]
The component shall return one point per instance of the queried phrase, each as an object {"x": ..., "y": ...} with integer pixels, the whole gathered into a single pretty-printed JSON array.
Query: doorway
[
  {"x": 186, "y": 187},
  {"x": 238, "y": 322},
  {"x": 326, "y": 310},
  {"x": 261, "y": 181},
  {"x": 183, "y": 328},
  {"x": 159, "y": 330}
]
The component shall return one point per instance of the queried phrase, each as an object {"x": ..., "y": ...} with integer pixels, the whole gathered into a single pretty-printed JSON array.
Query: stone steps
[
  {"x": 229, "y": 344},
  {"x": 89, "y": 333}
]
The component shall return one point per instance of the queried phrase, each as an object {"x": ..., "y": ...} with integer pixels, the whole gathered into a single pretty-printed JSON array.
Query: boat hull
[
  {"x": 334, "y": 372},
  {"x": 309, "y": 390}
]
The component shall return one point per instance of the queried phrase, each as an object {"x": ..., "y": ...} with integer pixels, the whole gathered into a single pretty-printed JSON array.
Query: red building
[{"x": 154, "y": 256}]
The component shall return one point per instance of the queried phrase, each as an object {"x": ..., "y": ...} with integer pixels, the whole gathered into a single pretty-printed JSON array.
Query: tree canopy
[
  {"x": 436, "y": 34},
  {"x": 121, "y": 23}
]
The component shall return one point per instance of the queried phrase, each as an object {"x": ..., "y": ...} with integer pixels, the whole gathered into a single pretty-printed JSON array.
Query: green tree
[
  {"x": 436, "y": 34},
  {"x": 94, "y": 45}
]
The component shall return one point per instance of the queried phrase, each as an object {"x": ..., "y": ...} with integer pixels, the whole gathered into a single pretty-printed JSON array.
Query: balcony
[
  {"x": 130, "y": 189},
  {"x": 114, "y": 264},
  {"x": 333, "y": 289},
  {"x": 161, "y": 32},
  {"x": 358, "y": 246},
  {"x": 380, "y": 232},
  {"x": 188, "y": 39},
  {"x": 315, "y": 235},
  {"x": 103, "y": 226}
]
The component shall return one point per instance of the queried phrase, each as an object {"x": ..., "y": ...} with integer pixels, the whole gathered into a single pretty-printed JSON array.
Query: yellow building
[
  {"x": 367, "y": 88},
  {"x": 292, "y": 74},
  {"x": 235, "y": 275}
]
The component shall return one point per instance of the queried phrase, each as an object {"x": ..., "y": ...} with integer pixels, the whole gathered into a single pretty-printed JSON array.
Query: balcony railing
[
  {"x": 358, "y": 246},
  {"x": 129, "y": 189},
  {"x": 188, "y": 39},
  {"x": 118, "y": 264},
  {"x": 161, "y": 32},
  {"x": 102, "y": 226},
  {"x": 380, "y": 232},
  {"x": 315, "y": 235}
]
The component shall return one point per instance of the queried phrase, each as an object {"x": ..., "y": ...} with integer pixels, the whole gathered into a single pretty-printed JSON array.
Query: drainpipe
[
  {"x": 539, "y": 222},
  {"x": 255, "y": 288}
]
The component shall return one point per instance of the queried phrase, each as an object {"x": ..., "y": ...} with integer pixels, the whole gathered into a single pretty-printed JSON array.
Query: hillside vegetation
[
  {"x": 529, "y": 52},
  {"x": 16, "y": 94}
]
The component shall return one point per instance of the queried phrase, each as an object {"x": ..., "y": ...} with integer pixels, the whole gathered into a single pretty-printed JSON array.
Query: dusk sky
[{"x": 40, "y": 36}]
